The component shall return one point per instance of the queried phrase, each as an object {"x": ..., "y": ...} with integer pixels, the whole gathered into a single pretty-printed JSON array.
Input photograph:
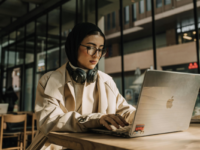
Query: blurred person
[
  {"x": 10, "y": 97},
  {"x": 78, "y": 96}
]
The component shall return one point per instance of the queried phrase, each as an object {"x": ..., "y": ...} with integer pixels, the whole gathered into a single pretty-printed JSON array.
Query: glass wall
[
  {"x": 41, "y": 41},
  {"x": 175, "y": 38},
  {"x": 86, "y": 11},
  {"x": 138, "y": 48},
  {"x": 30, "y": 45},
  {"x": 67, "y": 23},
  {"x": 108, "y": 22},
  {"x": 53, "y": 39}
]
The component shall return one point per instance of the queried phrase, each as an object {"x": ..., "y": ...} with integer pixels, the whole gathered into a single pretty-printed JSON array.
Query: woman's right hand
[{"x": 114, "y": 119}]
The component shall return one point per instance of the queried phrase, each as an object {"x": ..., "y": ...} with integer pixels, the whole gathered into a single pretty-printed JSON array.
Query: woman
[{"x": 77, "y": 96}]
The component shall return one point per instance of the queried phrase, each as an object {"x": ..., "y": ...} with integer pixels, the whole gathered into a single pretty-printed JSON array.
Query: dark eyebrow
[{"x": 94, "y": 44}]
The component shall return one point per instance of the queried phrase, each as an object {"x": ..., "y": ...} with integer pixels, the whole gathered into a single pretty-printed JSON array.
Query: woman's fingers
[
  {"x": 114, "y": 119},
  {"x": 105, "y": 124},
  {"x": 122, "y": 119},
  {"x": 111, "y": 121},
  {"x": 118, "y": 120}
]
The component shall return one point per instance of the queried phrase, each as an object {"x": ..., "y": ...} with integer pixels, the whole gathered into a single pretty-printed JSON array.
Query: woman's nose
[{"x": 97, "y": 54}]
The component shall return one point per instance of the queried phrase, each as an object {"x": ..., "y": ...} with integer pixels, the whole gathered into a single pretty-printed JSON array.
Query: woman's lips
[{"x": 93, "y": 62}]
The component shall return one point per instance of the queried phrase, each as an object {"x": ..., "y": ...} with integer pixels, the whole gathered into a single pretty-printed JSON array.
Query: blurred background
[{"x": 140, "y": 35}]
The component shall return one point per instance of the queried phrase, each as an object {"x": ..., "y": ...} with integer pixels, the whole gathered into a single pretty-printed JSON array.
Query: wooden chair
[
  {"x": 33, "y": 131},
  {"x": 28, "y": 131},
  {"x": 3, "y": 134}
]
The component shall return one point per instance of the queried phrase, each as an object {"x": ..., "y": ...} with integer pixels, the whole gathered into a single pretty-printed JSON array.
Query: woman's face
[{"x": 85, "y": 60}]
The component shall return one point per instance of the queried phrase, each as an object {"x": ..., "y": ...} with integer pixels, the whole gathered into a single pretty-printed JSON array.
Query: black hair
[
  {"x": 78, "y": 33},
  {"x": 96, "y": 33}
]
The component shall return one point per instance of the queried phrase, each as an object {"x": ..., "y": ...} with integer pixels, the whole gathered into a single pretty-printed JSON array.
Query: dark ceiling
[{"x": 10, "y": 10}]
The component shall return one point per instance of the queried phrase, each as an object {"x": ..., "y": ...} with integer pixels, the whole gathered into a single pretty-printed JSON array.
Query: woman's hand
[{"x": 114, "y": 119}]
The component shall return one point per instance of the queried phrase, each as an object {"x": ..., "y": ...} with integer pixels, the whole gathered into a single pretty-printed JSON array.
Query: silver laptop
[
  {"x": 3, "y": 108},
  {"x": 166, "y": 104}
]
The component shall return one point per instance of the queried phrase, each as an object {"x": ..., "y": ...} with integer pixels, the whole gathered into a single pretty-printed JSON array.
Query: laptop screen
[{"x": 3, "y": 108}]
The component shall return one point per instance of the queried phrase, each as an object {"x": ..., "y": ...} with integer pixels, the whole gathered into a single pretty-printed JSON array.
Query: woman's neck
[{"x": 73, "y": 67}]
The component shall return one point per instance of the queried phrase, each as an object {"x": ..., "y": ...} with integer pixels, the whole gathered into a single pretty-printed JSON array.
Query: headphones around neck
[{"x": 81, "y": 76}]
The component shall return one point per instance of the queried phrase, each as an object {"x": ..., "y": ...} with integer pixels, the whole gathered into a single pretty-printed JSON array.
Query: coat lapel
[
  {"x": 70, "y": 85},
  {"x": 56, "y": 85},
  {"x": 103, "y": 102}
]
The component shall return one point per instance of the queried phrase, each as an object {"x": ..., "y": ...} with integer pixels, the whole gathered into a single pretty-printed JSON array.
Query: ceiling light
[{"x": 194, "y": 32}]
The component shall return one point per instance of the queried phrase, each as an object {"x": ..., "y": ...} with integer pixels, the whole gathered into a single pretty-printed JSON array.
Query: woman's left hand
[{"x": 114, "y": 119}]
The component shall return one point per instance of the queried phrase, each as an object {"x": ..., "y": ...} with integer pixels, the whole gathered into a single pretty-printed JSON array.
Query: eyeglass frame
[{"x": 97, "y": 49}]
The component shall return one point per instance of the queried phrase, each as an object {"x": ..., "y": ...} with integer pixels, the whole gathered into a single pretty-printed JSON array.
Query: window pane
[
  {"x": 175, "y": 44},
  {"x": 5, "y": 41},
  {"x": 20, "y": 53},
  {"x": 86, "y": 11},
  {"x": 148, "y": 3},
  {"x": 108, "y": 22},
  {"x": 158, "y": 3},
  {"x": 113, "y": 20},
  {"x": 30, "y": 42},
  {"x": 68, "y": 15},
  {"x": 5, "y": 58},
  {"x": 126, "y": 14},
  {"x": 53, "y": 39},
  {"x": 134, "y": 11},
  {"x": 41, "y": 44},
  {"x": 20, "y": 33},
  {"x": 141, "y": 5},
  {"x": 167, "y": 2},
  {"x": 11, "y": 58},
  {"x": 138, "y": 55},
  {"x": 111, "y": 64},
  {"x": 12, "y": 37}
]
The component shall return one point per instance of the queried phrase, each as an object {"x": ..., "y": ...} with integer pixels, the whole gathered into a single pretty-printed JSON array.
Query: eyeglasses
[{"x": 92, "y": 50}]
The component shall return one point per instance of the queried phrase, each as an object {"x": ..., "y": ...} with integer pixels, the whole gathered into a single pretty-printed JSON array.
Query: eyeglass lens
[{"x": 93, "y": 50}]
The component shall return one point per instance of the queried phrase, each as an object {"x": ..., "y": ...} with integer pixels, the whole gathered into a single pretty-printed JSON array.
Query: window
[
  {"x": 108, "y": 22},
  {"x": 141, "y": 6},
  {"x": 167, "y": 2},
  {"x": 126, "y": 14},
  {"x": 134, "y": 12},
  {"x": 158, "y": 3},
  {"x": 113, "y": 20},
  {"x": 148, "y": 5}
]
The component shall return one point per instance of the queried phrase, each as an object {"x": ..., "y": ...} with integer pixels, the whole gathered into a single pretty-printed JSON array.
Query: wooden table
[{"x": 184, "y": 140}]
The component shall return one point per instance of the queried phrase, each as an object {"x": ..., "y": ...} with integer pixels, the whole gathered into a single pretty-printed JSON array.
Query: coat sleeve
[
  {"x": 50, "y": 116},
  {"x": 124, "y": 109}
]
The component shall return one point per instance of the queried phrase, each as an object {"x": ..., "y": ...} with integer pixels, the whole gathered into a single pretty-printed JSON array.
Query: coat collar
[{"x": 60, "y": 77}]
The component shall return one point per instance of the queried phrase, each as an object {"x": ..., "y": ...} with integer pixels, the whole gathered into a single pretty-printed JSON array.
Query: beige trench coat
[{"x": 55, "y": 106}]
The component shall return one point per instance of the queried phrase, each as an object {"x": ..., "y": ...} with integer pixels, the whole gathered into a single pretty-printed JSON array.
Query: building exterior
[{"x": 33, "y": 39}]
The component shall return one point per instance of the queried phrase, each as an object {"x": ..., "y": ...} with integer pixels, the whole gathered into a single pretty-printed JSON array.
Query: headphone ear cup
[
  {"x": 79, "y": 76},
  {"x": 92, "y": 75}
]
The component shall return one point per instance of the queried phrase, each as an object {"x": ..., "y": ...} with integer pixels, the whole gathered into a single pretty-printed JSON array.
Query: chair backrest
[
  {"x": 9, "y": 118},
  {"x": 14, "y": 118}
]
